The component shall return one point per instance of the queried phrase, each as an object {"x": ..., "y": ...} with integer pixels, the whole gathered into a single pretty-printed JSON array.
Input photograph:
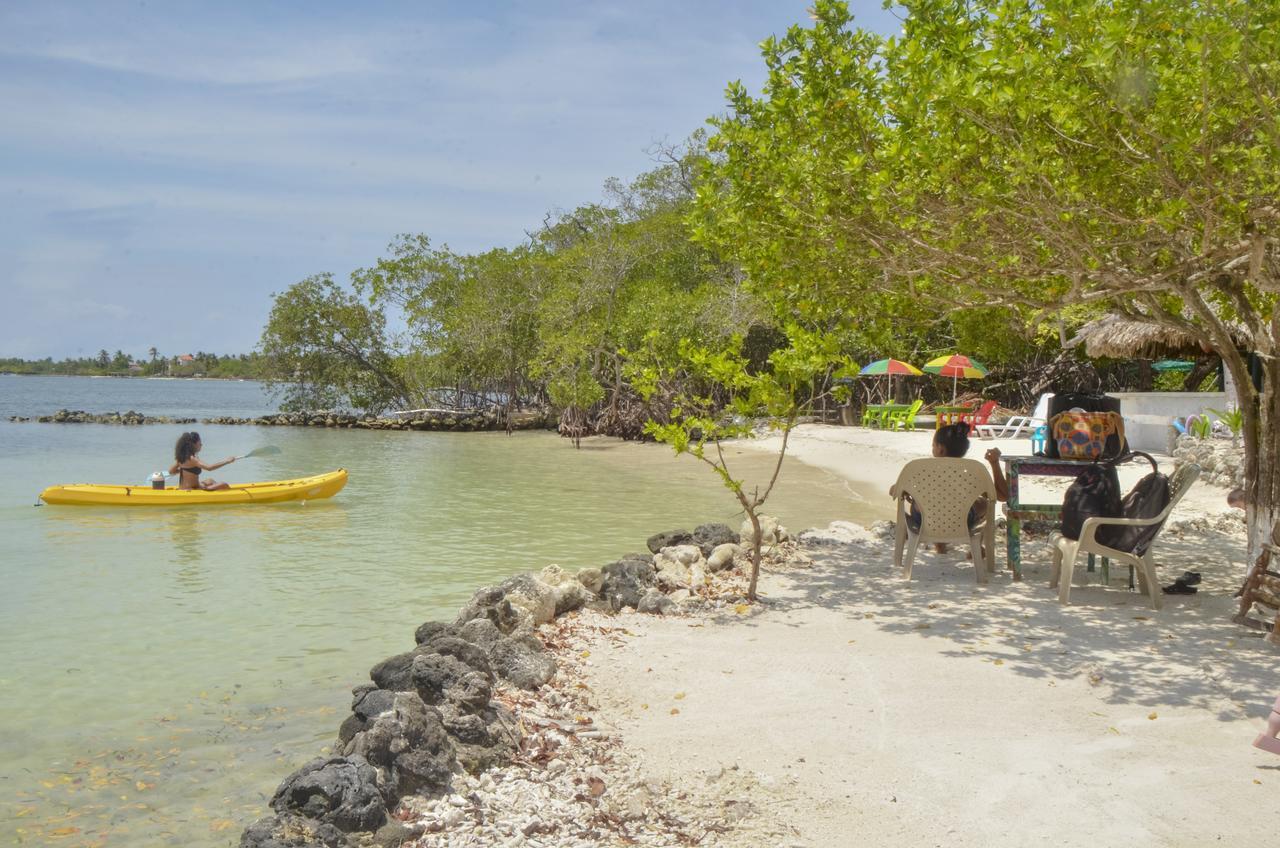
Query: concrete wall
[{"x": 1147, "y": 414}]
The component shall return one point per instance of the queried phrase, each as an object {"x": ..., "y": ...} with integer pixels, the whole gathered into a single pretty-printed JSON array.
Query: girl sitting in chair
[{"x": 953, "y": 441}]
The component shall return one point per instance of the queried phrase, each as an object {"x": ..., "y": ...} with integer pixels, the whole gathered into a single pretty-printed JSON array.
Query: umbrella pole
[{"x": 954, "y": 377}]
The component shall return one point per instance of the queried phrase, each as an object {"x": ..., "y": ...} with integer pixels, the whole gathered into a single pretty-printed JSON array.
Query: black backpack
[
  {"x": 1095, "y": 493},
  {"x": 1147, "y": 499}
]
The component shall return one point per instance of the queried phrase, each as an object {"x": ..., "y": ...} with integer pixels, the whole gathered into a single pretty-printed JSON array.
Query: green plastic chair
[{"x": 906, "y": 419}]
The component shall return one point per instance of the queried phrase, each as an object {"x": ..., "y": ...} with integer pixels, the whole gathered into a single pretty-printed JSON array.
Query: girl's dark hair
[
  {"x": 954, "y": 439},
  {"x": 186, "y": 446}
]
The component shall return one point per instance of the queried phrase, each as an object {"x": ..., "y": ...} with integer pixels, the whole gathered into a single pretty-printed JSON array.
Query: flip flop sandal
[
  {"x": 1179, "y": 588},
  {"x": 1189, "y": 578}
]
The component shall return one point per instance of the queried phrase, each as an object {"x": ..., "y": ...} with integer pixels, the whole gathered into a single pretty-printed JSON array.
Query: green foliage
[
  {"x": 715, "y": 395},
  {"x": 211, "y": 365},
  {"x": 547, "y": 320},
  {"x": 579, "y": 391},
  {"x": 1200, "y": 426},
  {"x": 326, "y": 349},
  {"x": 1052, "y": 160},
  {"x": 1028, "y": 155}
]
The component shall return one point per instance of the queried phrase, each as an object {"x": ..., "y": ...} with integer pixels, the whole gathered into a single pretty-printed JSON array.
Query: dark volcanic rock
[
  {"x": 480, "y": 632},
  {"x": 658, "y": 541},
  {"x": 351, "y": 725},
  {"x": 626, "y": 581},
  {"x": 491, "y": 603},
  {"x": 341, "y": 791},
  {"x": 395, "y": 673},
  {"x": 472, "y": 655},
  {"x": 708, "y": 536},
  {"x": 427, "y": 630},
  {"x": 410, "y": 744},
  {"x": 440, "y": 678},
  {"x": 290, "y": 831},
  {"x": 655, "y": 603},
  {"x": 469, "y": 729},
  {"x": 482, "y": 741},
  {"x": 373, "y": 703},
  {"x": 522, "y": 660}
]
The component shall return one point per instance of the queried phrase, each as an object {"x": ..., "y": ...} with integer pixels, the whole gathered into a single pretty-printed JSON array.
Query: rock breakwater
[
  {"x": 434, "y": 420},
  {"x": 475, "y": 736},
  {"x": 79, "y": 416}
]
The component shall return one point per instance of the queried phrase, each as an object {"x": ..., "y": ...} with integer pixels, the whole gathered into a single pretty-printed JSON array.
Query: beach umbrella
[
  {"x": 891, "y": 367},
  {"x": 956, "y": 366}
]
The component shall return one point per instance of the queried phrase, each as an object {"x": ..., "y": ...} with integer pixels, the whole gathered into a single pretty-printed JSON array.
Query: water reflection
[
  {"x": 184, "y": 535},
  {"x": 187, "y": 549}
]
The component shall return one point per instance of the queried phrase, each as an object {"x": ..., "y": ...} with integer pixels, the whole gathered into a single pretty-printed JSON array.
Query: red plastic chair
[{"x": 973, "y": 419}]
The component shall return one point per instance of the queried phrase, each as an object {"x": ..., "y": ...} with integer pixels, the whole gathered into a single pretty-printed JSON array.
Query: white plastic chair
[
  {"x": 1066, "y": 551},
  {"x": 944, "y": 489},
  {"x": 1013, "y": 428}
]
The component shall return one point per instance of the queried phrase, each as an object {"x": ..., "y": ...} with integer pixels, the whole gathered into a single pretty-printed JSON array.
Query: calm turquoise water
[{"x": 161, "y": 670}]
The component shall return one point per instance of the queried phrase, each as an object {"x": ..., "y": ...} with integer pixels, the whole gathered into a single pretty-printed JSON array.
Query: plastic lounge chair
[
  {"x": 944, "y": 489},
  {"x": 1014, "y": 427},
  {"x": 906, "y": 419},
  {"x": 1066, "y": 551}
]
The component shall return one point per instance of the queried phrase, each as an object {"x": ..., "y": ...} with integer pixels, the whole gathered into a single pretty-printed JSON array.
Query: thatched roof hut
[{"x": 1118, "y": 337}]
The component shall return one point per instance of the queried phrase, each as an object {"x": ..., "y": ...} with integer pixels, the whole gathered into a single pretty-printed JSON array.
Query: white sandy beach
[{"x": 864, "y": 710}]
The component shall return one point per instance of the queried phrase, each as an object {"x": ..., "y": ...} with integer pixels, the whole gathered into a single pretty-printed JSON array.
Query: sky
[{"x": 166, "y": 167}]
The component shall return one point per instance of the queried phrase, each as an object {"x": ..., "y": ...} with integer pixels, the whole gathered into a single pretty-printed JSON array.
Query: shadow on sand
[{"x": 1187, "y": 654}]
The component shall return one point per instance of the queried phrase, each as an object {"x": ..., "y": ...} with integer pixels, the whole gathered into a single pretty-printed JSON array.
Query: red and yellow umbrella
[{"x": 956, "y": 366}]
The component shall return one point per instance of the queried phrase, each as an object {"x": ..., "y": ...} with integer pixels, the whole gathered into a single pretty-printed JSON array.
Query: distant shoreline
[{"x": 131, "y": 377}]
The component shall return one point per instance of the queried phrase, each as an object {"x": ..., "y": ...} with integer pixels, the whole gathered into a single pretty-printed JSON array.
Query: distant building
[{"x": 186, "y": 358}]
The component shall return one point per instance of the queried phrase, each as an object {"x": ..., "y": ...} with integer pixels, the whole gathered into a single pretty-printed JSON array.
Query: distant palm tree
[{"x": 153, "y": 353}]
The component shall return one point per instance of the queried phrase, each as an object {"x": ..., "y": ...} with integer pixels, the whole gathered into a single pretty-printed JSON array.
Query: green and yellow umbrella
[
  {"x": 891, "y": 367},
  {"x": 956, "y": 366}
]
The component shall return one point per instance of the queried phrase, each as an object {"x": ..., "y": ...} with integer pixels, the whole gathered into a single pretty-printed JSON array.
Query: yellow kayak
[{"x": 276, "y": 491}]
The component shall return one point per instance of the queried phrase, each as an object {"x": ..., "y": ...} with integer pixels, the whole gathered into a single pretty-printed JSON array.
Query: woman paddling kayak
[{"x": 188, "y": 466}]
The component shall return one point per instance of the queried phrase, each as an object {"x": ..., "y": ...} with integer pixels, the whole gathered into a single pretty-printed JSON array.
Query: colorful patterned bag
[{"x": 1083, "y": 435}]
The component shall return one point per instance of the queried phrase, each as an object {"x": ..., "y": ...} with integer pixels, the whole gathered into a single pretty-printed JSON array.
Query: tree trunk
[
  {"x": 506, "y": 411},
  {"x": 1146, "y": 376},
  {"x": 1203, "y": 367},
  {"x": 755, "y": 553}
]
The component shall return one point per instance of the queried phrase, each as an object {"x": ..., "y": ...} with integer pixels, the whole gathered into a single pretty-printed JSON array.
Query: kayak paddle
[{"x": 265, "y": 450}]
